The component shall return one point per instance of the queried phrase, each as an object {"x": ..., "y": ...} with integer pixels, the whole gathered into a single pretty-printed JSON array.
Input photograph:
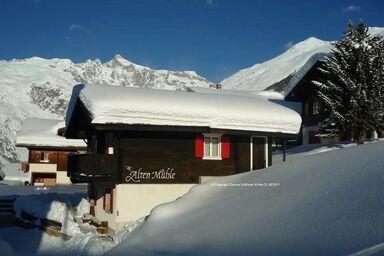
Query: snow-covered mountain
[
  {"x": 274, "y": 74},
  {"x": 37, "y": 87}
]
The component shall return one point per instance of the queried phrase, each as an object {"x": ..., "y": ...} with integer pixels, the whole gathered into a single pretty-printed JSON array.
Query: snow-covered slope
[
  {"x": 325, "y": 204},
  {"x": 37, "y": 87},
  {"x": 260, "y": 76},
  {"x": 278, "y": 71}
]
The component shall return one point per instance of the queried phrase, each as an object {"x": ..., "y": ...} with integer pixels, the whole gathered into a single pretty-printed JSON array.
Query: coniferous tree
[{"x": 352, "y": 83}]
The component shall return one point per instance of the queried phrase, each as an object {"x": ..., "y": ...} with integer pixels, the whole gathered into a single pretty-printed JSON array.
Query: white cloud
[
  {"x": 288, "y": 45},
  {"x": 351, "y": 8},
  {"x": 77, "y": 27}
]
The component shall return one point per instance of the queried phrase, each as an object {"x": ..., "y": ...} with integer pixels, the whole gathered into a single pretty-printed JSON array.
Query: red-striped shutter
[
  {"x": 199, "y": 146},
  {"x": 225, "y": 147}
]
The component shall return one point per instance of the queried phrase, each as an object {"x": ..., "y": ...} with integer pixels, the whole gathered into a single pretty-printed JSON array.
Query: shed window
[
  {"x": 212, "y": 145},
  {"x": 44, "y": 156}
]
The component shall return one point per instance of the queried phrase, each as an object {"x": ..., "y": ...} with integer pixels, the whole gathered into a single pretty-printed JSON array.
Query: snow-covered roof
[
  {"x": 261, "y": 94},
  {"x": 124, "y": 105},
  {"x": 304, "y": 70},
  {"x": 272, "y": 96},
  {"x": 43, "y": 132}
]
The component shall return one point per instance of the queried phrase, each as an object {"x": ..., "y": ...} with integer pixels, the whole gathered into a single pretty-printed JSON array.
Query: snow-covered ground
[
  {"x": 322, "y": 204},
  {"x": 58, "y": 203},
  {"x": 306, "y": 150},
  {"x": 13, "y": 174}
]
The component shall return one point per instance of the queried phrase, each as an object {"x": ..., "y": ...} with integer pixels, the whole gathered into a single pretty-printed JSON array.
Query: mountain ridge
[
  {"x": 278, "y": 70},
  {"x": 39, "y": 87}
]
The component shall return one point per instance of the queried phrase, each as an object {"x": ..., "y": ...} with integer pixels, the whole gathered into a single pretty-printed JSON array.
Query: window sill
[
  {"x": 44, "y": 161},
  {"x": 211, "y": 158}
]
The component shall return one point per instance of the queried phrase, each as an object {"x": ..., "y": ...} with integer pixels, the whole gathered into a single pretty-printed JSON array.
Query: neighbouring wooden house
[
  {"x": 313, "y": 112},
  {"x": 147, "y": 147},
  {"x": 48, "y": 150}
]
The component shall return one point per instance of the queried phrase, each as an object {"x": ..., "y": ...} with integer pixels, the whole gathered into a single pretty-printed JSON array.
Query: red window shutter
[
  {"x": 225, "y": 147},
  {"x": 199, "y": 146},
  {"x": 104, "y": 197}
]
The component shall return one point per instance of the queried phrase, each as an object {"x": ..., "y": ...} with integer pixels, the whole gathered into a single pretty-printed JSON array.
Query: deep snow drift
[{"x": 324, "y": 204}]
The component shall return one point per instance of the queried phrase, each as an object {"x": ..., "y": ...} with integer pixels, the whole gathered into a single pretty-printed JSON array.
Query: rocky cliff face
[{"x": 37, "y": 87}]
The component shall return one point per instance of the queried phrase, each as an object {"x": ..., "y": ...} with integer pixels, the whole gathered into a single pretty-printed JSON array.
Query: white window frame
[
  {"x": 315, "y": 110},
  {"x": 210, "y": 157},
  {"x": 45, "y": 157}
]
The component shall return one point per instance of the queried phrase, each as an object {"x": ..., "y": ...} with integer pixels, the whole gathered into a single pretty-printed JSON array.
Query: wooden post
[{"x": 284, "y": 149}]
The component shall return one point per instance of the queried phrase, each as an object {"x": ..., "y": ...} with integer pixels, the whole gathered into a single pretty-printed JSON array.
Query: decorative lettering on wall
[{"x": 137, "y": 175}]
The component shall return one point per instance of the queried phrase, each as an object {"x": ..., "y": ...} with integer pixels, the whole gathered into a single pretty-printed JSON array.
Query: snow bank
[
  {"x": 83, "y": 208},
  {"x": 12, "y": 173},
  {"x": 86, "y": 244},
  {"x": 73, "y": 193},
  {"x": 127, "y": 230},
  {"x": 6, "y": 249},
  {"x": 123, "y": 105},
  {"x": 324, "y": 204},
  {"x": 43, "y": 132},
  {"x": 49, "y": 206}
]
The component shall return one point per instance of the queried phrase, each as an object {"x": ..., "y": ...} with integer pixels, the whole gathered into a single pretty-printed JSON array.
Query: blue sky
[{"x": 215, "y": 38}]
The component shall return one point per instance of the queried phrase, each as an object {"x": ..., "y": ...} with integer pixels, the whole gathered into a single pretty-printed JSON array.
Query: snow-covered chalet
[
  {"x": 313, "y": 112},
  {"x": 147, "y": 146},
  {"x": 48, "y": 150}
]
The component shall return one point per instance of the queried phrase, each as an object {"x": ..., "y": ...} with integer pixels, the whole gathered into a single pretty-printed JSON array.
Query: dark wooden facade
[
  {"x": 151, "y": 154},
  {"x": 305, "y": 92},
  {"x": 137, "y": 153}
]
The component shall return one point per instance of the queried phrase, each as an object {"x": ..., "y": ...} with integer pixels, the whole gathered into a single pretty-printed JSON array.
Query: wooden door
[{"x": 258, "y": 153}]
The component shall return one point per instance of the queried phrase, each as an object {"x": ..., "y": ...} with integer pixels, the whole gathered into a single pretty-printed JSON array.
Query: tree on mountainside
[{"x": 352, "y": 83}]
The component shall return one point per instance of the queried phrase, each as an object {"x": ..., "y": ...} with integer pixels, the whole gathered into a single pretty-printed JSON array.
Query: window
[
  {"x": 44, "y": 157},
  {"x": 315, "y": 107},
  {"x": 212, "y": 146},
  {"x": 108, "y": 200}
]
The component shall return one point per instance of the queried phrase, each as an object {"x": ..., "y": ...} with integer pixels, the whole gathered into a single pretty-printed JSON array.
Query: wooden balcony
[{"x": 83, "y": 166}]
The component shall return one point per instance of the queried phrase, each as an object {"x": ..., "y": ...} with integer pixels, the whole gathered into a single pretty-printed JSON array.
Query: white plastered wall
[
  {"x": 134, "y": 201},
  {"x": 41, "y": 168},
  {"x": 100, "y": 213},
  {"x": 62, "y": 178}
]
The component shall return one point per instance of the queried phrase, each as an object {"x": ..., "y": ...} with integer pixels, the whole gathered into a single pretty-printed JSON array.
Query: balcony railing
[{"x": 91, "y": 165}]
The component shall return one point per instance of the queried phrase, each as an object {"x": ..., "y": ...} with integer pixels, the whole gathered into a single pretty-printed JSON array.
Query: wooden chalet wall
[
  {"x": 59, "y": 157},
  {"x": 151, "y": 152}
]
